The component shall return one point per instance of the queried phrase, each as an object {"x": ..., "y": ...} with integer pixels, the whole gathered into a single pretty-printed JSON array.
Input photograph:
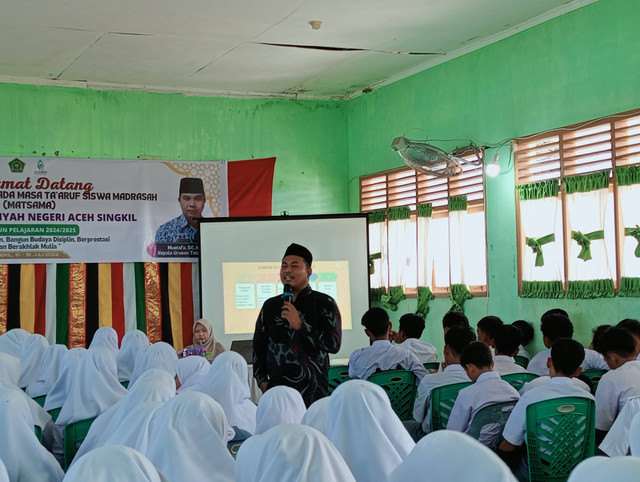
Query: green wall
[
  {"x": 307, "y": 137},
  {"x": 576, "y": 67}
]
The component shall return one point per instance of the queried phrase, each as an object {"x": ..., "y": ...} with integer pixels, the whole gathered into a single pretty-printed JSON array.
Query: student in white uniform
[
  {"x": 506, "y": 339},
  {"x": 487, "y": 328},
  {"x": 621, "y": 382},
  {"x": 159, "y": 355},
  {"x": 564, "y": 363},
  {"x": 106, "y": 337},
  {"x": 11, "y": 341},
  {"x": 291, "y": 453},
  {"x": 634, "y": 328},
  {"x": 597, "y": 469},
  {"x": 617, "y": 440},
  {"x": 31, "y": 354},
  {"x": 526, "y": 336},
  {"x": 278, "y": 405},
  {"x": 455, "y": 340},
  {"x": 132, "y": 342},
  {"x": 487, "y": 389},
  {"x": 68, "y": 366},
  {"x": 191, "y": 373},
  {"x": 381, "y": 355},
  {"x": 48, "y": 373},
  {"x": 409, "y": 332},
  {"x": 316, "y": 415}
]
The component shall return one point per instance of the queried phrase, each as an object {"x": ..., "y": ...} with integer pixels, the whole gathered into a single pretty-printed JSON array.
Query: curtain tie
[
  {"x": 584, "y": 240},
  {"x": 536, "y": 246},
  {"x": 635, "y": 232},
  {"x": 372, "y": 258}
]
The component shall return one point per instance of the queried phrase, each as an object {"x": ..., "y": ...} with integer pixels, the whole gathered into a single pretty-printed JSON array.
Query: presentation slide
[
  {"x": 240, "y": 268},
  {"x": 248, "y": 285}
]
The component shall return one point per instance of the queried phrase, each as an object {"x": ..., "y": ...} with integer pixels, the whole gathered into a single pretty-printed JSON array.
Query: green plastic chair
[
  {"x": 493, "y": 417},
  {"x": 523, "y": 361},
  {"x": 125, "y": 384},
  {"x": 74, "y": 435},
  {"x": 337, "y": 375},
  {"x": 38, "y": 431},
  {"x": 442, "y": 400},
  {"x": 431, "y": 365},
  {"x": 560, "y": 434},
  {"x": 594, "y": 376},
  {"x": 54, "y": 412},
  {"x": 400, "y": 386},
  {"x": 517, "y": 380},
  {"x": 40, "y": 400}
]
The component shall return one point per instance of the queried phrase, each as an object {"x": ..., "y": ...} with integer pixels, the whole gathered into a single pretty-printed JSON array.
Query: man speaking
[{"x": 296, "y": 331}]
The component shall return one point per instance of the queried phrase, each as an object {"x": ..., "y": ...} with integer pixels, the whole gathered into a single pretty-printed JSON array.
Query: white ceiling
[{"x": 209, "y": 46}]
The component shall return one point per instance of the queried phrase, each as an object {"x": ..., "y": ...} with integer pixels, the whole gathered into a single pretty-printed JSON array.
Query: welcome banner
[{"x": 61, "y": 210}]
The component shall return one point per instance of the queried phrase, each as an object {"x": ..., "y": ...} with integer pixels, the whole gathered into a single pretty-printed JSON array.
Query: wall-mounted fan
[{"x": 432, "y": 160}]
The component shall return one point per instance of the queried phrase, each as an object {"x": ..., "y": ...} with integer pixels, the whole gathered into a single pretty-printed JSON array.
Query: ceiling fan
[{"x": 432, "y": 160}]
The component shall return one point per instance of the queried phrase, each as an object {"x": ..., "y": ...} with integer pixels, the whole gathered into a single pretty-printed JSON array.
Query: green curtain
[
  {"x": 458, "y": 203},
  {"x": 376, "y": 294},
  {"x": 590, "y": 289},
  {"x": 628, "y": 175},
  {"x": 424, "y": 296},
  {"x": 584, "y": 240},
  {"x": 377, "y": 216},
  {"x": 402, "y": 212},
  {"x": 586, "y": 182},
  {"x": 629, "y": 287},
  {"x": 536, "y": 245},
  {"x": 395, "y": 296},
  {"x": 458, "y": 293},
  {"x": 634, "y": 233},
  {"x": 425, "y": 210},
  {"x": 542, "y": 289},
  {"x": 538, "y": 190}
]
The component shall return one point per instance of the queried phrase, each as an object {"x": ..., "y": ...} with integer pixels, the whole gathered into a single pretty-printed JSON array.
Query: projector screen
[{"x": 240, "y": 269}]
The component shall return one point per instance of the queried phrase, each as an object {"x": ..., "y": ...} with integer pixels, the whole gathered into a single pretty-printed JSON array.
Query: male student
[
  {"x": 487, "y": 389},
  {"x": 454, "y": 318},
  {"x": 634, "y": 328},
  {"x": 408, "y": 335},
  {"x": 455, "y": 340},
  {"x": 487, "y": 328},
  {"x": 621, "y": 382},
  {"x": 381, "y": 355},
  {"x": 506, "y": 339},
  {"x": 555, "y": 324},
  {"x": 564, "y": 363}
]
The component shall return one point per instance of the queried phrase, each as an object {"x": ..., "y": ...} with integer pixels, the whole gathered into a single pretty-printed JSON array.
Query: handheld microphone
[{"x": 287, "y": 295}]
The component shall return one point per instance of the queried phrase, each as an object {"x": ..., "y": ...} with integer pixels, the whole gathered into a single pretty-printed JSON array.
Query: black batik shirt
[{"x": 297, "y": 358}]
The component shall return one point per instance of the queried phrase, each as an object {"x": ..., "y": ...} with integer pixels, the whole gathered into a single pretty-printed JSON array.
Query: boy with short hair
[
  {"x": 487, "y": 328},
  {"x": 408, "y": 336},
  {"x": 621, "y": 382},
  {"x": 505, "y": 342},
  {"x": 564, "y": 364},
  {"x": 381, "y": 355},
  {"x": 634, "y": 328},
  {"x": 527, "y": 333},
  {"x": 454, "y": 318},
  {"x": 487, "y": 389},
  {"x": 455, "y": 340}
]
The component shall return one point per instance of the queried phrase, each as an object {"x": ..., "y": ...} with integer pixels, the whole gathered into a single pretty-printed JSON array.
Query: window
[
  {"x": 578, "y": 190},
  {"x": 426, "y": 231}
]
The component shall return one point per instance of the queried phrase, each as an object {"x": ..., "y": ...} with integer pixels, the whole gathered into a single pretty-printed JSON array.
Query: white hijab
[
  {"x": 24, "y": 457},
  {"x": 132, "y": 342},
  {"x": 366, "y": 431},
  {"x": 597, "y": 469},
  {"x": 227, "y": 382},
  {"x": 48, "y": 373},
  {"x": 11, "y": 341},
  {"x": 280, "y": 404},
  {"x": 159, "y": 355},
  {"x": 189, "y": 440},
  {"x": 94, "y": 389},
  {"x": 135, "y": 429},
  {"x": 4, "y": 477},
  {"x": 31, "y": 354},
  {"x": 106, "y": 337},
  {"x": 291, "y": 453},
  {"x": 39, "y": 416},
  {"x": 68, "y": 366},
  {"x": 10, "y": 368},
  {"x": 316, "y": 415},
  {"x": 114, "y": 463},
  {"x": 433, "y": 458},
  {"x": 192, "y": 371},
  {"x": 154, "y": 385}
]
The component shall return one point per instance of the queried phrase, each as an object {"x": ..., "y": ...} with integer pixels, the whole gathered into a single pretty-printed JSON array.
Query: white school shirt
[
  {"x": 291, "y": 453},
  {"x": 422, "y": 406},
  {"x": 523, "y": 352},
  {"x": 383, "y": 355},
  {"x": 617, "y": 440},
  {"x": 614, "y": 389},
  {"x": 506, "y": 365},
  {"x": 536, "y": 382},
  {"x": 515, "y": 430},
  {"x": 488, "y": 389},
  {"x": 592, "y": 361},
  {"x": 425, "y": 352}
]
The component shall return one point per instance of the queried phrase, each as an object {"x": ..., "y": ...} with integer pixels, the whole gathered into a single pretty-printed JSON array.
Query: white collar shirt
[
  {"x": 614, "y": 389},
  {"x": 618, "y": 439},
  {"x": 382, "y": 355},
  {"x": 426, "y": 352},
  {"x": 505, "y": 365}
]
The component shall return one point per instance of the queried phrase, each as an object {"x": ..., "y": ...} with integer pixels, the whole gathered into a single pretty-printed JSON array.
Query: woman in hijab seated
[
  {"x": 24, "y": 457},
  {"x": 47, "y": 374},
  {"x": 106, "y": 337},
  {"x": 155, "y": 385},
  {"x": 366, "y": 431},
  {"x": 316, "y": 415},
  {"x": 31, "y": 354},
  {"x": 114, "y": 463},
  {"x": 204, "y": 344},
  {"x": 189, "y": 440},
  {"x": 191, "y": 373},
  {"x": 11, "y": 341},
  {"x": 278, "y": 405},
  {"x": 289, "y": 453},
  {"x": 132, "y": 342},
  {"x": 159, "y": 355}
]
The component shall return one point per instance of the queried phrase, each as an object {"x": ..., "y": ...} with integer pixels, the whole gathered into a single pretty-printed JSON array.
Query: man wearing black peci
[{"x": 292, "y": 339}]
